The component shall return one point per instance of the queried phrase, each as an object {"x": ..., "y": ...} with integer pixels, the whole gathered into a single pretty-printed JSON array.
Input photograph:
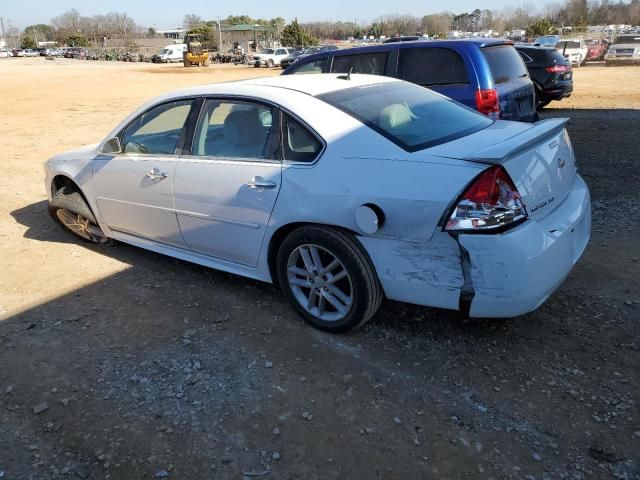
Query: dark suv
[
  {"x": 550, "y": 72},
  {"x": 487, "y": 75}
]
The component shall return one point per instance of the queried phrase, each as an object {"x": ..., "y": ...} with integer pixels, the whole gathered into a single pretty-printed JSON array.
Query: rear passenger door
[{"x": 440, "y": 69}]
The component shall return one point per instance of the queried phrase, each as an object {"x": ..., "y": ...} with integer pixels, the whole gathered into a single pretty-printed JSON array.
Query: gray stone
[
  {"x": 537, "y": 457},
  {"x": 397, "y": 420},
  {"x": 41, "y": 407}
]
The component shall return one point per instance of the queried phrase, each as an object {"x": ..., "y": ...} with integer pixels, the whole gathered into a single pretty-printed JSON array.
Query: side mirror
[{"x": 111, "y": 146}]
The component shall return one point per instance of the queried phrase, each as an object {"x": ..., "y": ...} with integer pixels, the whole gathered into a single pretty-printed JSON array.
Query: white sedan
[{"x": 341, "y": 189}]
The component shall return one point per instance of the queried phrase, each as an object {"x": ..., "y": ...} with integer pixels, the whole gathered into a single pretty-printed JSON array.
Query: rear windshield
[
  {"x": 628, "y": 39},
  {"x": 505, "y": 63},
  {"x": 410, "y": 116}
]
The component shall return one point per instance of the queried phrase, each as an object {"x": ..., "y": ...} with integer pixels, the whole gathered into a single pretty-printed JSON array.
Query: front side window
[
  {"x": 310, "y": 67},
  {"x": 298, "y": 143},
  {"x": 370, "y": 63},
  {"x": 281, "y": 51},
  {"x": 412, "y": 117},
  {"x": 158, "y": 130},
  {"x": 234, "y": 129},
  {"x": 432, "y": 66}
]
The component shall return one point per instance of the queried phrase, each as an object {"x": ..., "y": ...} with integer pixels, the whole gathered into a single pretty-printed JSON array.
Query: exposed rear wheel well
[{"x": 280, "y": 234}]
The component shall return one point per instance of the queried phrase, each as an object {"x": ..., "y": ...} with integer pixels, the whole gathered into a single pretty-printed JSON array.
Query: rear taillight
[
  {"x": 558, "y": 68},
  {"x": 487, "y": 102},
  {"x": 491, "y": 202}
]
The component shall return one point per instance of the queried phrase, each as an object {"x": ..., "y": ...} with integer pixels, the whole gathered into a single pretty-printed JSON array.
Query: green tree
[
  {"x": 293, "y": 35},
  {"x": 206, "y": 33},
  {"x": 541, "y": 27},
  {"x": 151, "y": 32},
  {"x": 77, "y": 40},
  {"x": 238, "y": 19},
  {"x": 41, "y": 32},
  {"x": 28, "y": 42}
]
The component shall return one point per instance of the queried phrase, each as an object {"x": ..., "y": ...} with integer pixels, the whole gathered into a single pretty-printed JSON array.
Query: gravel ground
[{"x": 118, "y": 363}]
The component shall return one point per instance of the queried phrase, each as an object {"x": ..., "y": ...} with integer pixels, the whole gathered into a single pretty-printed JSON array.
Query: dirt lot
[{"x": 120, "y": 363}]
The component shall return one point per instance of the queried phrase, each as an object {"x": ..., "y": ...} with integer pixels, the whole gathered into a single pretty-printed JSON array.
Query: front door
[
  {"x": 133, "y": 189},
  {"x": 226, "y": 189}
]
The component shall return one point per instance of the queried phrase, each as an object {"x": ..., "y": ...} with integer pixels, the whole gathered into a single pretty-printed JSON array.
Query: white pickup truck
[{"x": 270, "y": 57}]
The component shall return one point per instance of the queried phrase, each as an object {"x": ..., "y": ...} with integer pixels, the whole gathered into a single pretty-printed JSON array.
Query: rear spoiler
[{"x": 498, "y": 153}]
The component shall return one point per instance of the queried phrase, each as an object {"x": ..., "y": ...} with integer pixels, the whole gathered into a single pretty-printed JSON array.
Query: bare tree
[{"x": 191, "y": 20}]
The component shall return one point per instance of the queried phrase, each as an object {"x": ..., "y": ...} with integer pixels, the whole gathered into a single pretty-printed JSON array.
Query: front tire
[
  {"x": 328, "y": 278},
  {"x": 69, "y": 208},
  {"x": 270, "y": 63}
]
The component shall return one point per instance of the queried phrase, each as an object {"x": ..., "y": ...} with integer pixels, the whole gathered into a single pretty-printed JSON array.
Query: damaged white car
[{"x": 341, "y": 189}]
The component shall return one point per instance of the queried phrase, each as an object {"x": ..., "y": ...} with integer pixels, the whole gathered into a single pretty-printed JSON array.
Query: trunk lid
[{"x": 538, "y": 157}]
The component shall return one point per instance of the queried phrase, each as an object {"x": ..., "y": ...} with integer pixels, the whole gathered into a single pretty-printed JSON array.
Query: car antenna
[{"x": 347, "y": 76}]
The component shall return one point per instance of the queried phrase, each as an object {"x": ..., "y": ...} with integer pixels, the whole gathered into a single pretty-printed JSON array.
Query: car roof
[
  {"x": 313, "y": 84},
  {"x": 386, "y": 47}
]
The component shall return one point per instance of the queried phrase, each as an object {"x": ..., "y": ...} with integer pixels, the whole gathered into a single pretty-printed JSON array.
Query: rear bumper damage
[
  {"x": 515, "y": 272},
  {"x": 488, "y": 275}
]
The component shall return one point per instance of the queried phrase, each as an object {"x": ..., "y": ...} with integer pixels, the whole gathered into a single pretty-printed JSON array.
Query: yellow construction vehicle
[{"x": 196, "y": 53}]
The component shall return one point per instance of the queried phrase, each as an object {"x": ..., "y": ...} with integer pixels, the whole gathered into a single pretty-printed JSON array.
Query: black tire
[
  {"x": 541, "y": 100},
  {"x": 69, "y": 201},
  {"x": 365, "y": 287}
]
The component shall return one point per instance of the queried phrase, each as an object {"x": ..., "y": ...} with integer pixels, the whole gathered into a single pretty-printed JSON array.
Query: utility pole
[
  {"x": 4, "y": 42},
  {"x": 219, "y": 36}
]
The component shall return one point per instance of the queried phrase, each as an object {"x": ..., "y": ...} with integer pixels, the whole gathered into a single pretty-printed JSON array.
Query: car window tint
[
  {"x": 310, "y": 67},
  {"x": 157, "y": 131},
  {"x": 233, "y": 129},
  {"x": 410, "y": 116},
  {"x": 370, "y": 63},
  {"x": 505, "y": 63},
  {"x": 432, "y": 66},
  {"x": 298, "y": 143}
]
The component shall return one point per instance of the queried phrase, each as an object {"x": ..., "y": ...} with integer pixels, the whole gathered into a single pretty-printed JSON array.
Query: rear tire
[
  {"x": 328, "y": 278},
  {"x": 69, "y": 208},
  {"x": 270, "y": 64}
]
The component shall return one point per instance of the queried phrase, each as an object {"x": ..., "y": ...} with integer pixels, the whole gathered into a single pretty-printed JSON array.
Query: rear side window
[
  {"x": 371, "y": 63},
  {"x": 298, "y": 143},
  {"x": 432, "y": 66},
  {"x": 505, "y": 63}
]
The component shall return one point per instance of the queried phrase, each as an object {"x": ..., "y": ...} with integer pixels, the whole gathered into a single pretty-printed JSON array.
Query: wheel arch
[
  {"x": 61, "y": 180},
  {"x": 281, "y": 233}
]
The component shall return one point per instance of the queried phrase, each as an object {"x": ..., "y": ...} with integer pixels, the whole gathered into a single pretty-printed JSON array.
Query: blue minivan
[{"x": 487, "y": 75}]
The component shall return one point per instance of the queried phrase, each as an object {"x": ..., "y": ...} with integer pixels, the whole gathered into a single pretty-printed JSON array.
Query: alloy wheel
[
  {"x": 80, "y": 226},
  {"x": 320, "y": 282}
]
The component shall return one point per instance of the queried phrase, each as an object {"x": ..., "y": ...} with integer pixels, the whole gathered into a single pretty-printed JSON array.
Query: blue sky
[{"x": 169, "y": 13}]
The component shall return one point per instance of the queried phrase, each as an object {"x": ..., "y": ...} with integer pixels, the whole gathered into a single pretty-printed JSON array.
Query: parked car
[
  {"x": 270, "y": 57},
  {"x": 4, "y": 53},
  {"x": 409, "y": 38},
  {"x": 546, "y": 41},
  {"x": 485, "y": 74},
  {"x": 342, "y": 189},
  {"x": 17, "y": 52},
  {"x": 596, "y": 49},
  {"x": 550, "y": 71},
  {"x": 624, "y": 51},
  {"x": 29, "y": 52},
  {"x": 298, "y": 55},
  {"x": 575, "y": 50},
  {"x": 291, "y": 58}
]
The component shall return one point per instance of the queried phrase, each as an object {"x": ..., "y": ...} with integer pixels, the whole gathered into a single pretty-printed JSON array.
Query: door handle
[
  {"x": 156, "y": 174},
  {"x": 259, "y": 182}
]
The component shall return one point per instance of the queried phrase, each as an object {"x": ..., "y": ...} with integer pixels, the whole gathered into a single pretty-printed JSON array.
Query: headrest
[
  {"x": 243, "y": 127},
  {"x": 394, "y": 116}
]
